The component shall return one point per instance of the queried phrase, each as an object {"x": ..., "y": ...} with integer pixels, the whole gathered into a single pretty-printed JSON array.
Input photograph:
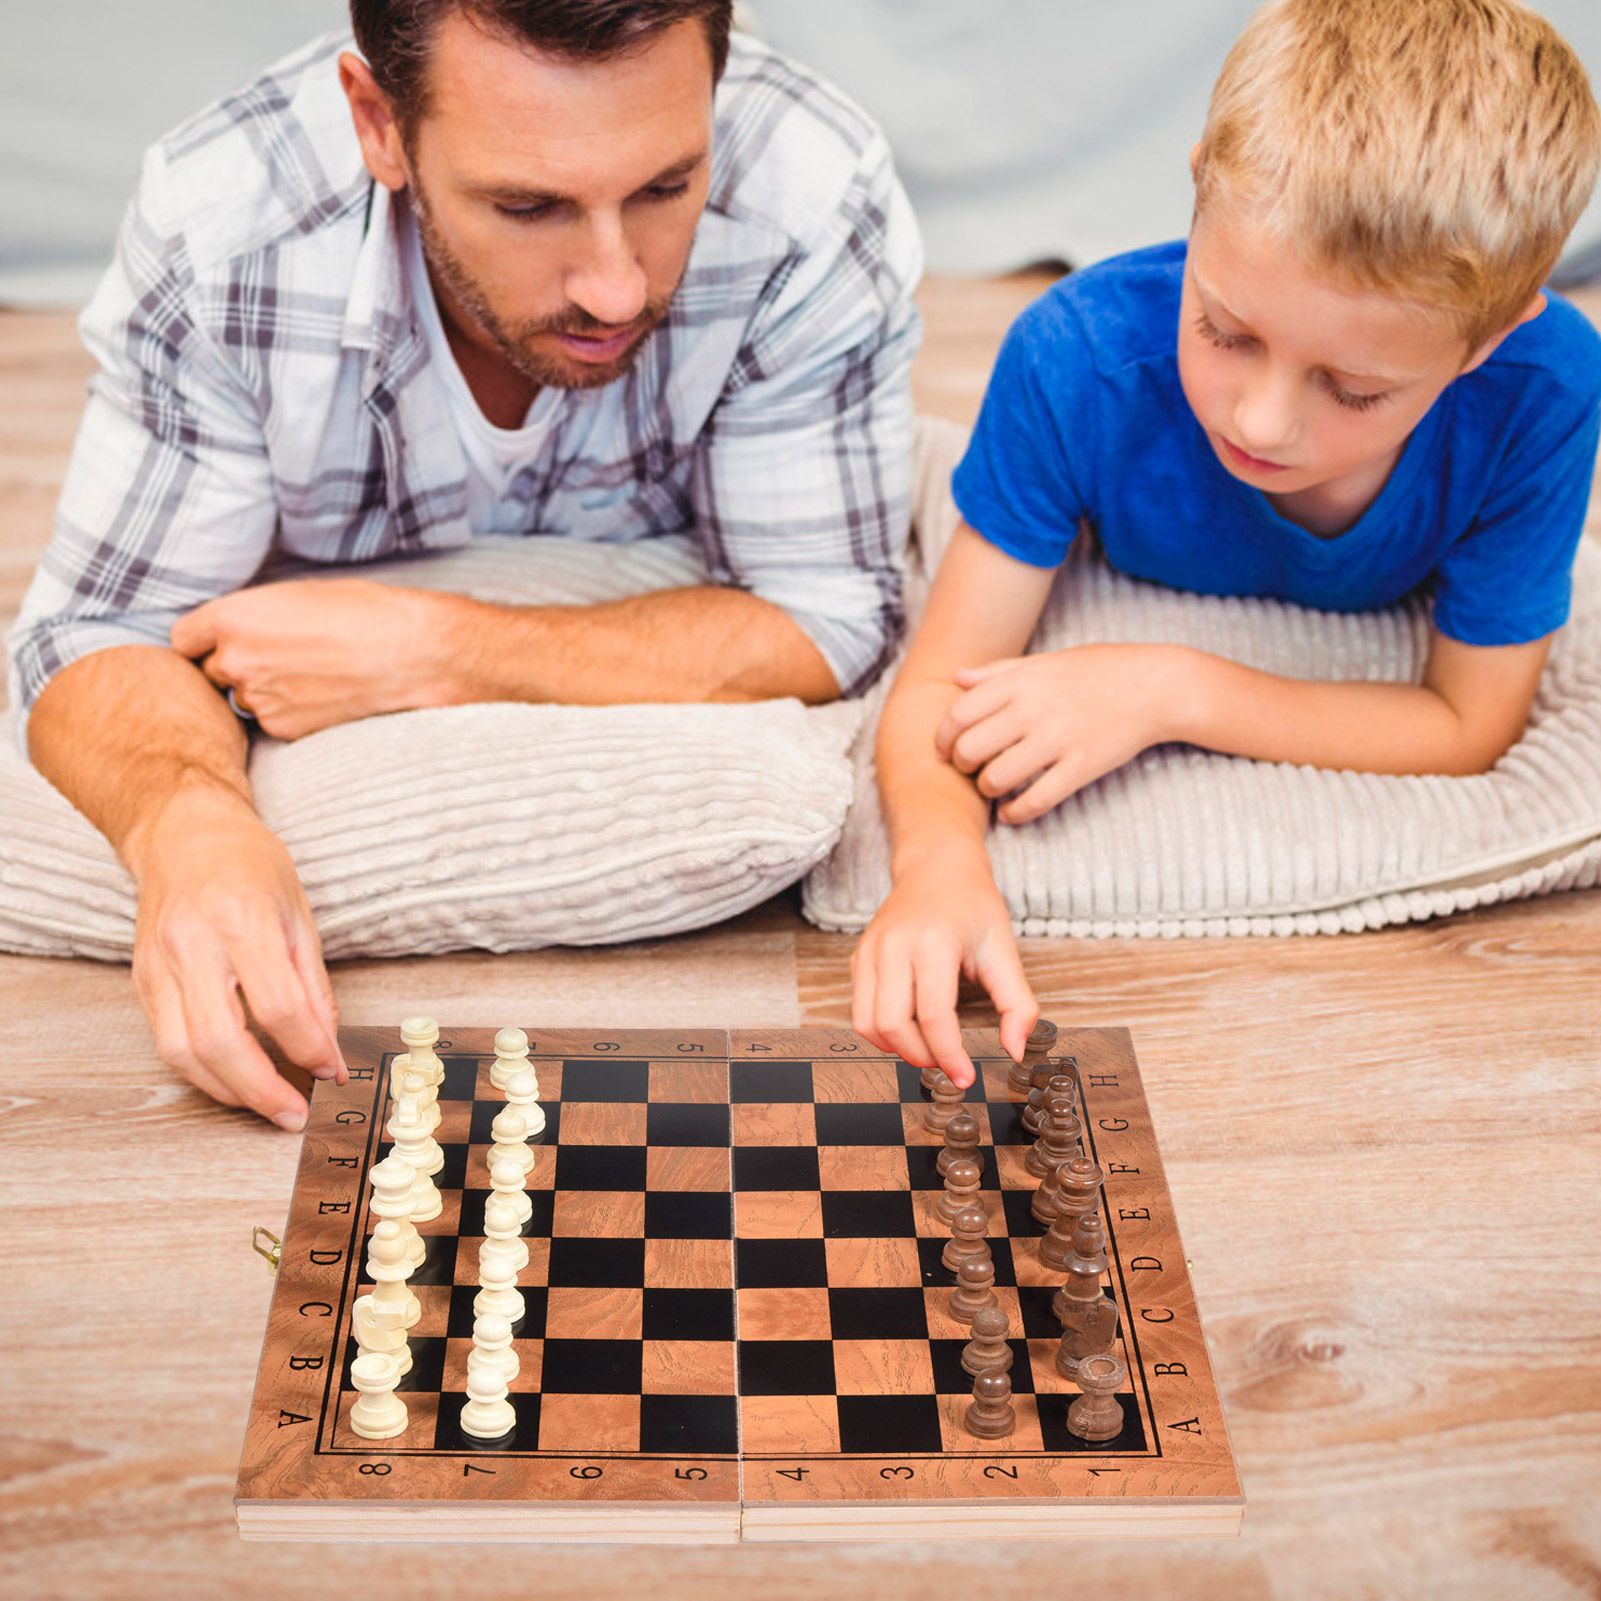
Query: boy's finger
[
  {"x": 1000, "y": 971},
  {"x": 1049, "y": 790},
  {"x": 892, "y": 1013},
  {"x": 864, "y": 984},
  {"x": 935, "y": 984}
]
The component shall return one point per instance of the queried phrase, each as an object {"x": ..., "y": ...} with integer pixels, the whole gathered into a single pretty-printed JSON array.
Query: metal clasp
[{"x": 266, "y": 1244}]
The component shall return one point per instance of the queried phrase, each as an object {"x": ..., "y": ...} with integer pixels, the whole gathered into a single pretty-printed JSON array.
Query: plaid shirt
[{"x": 265, "y": 395}]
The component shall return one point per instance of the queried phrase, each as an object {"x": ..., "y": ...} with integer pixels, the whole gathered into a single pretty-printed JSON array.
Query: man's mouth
[{"x": 599, "y": 349}]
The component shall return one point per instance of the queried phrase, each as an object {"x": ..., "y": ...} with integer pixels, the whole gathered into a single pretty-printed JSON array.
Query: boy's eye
[
  {"x": 1210, "y": 332},
  {"x": 1344, "y": 397}
]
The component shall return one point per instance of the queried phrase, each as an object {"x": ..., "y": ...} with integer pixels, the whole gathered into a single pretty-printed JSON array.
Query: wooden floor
[{"x": 1385, "y": 1151}]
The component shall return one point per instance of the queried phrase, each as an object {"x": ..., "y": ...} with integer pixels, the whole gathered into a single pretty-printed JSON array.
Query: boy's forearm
[
  {"x": 1362, "y": 727},
  {"x": 929, "y": 806}
]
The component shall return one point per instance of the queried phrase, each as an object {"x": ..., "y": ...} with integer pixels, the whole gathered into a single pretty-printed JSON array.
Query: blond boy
[{"x": 1347, "y": 386}]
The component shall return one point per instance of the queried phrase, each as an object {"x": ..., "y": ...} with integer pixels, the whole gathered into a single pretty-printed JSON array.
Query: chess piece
[
  {"x": 1058, "y": 1141},
  {"x": 486, "y": 1414},
  {"x": 990, "y": 1414},
  {"x": 503, "y": 1223},
  {"x": 1088, "y": 1318},
  {"x": 1097, "y": 1415},
  {"x": 406, "y": 1080},
  {"x": 975, "y": 1287},
  {"x": 511, "y": 1053},
  {"x": 376, "y": 1330},
  {"x": 988, "y": 1350},
  {"x": 506, "y": 1178},
  {"x": 1034, "y": 1113},
  {"x": 522, "y": 1092},
  {"x": 389, "y": 1265},
  {"x": 393, "y": 1181},
  {"x": 420, "y": 1035},
  {"x": 1037, "y": 1047},
  {"x": 412, "y": 1139},
  {"x": 510, "y": 1134},
  {"x": 967, "y": 1239},
  {"x": 929, "y": 1077},
  {"x": 961, "y": 1189},
  {"x": 946, "y": 1102},
  {"x": 492, "y": 1347},
  {"x": 379, "y": 1414},
  {"x": 961, "y": 1140},
  {"x": 1078, "y": 1190},
  {"x": 497, "y": 1276}
]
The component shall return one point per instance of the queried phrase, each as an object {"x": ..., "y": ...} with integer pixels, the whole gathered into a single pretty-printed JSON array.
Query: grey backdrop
[{"x": 1024, "y": 128}]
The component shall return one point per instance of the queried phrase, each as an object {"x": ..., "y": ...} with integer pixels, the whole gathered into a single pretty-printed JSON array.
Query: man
[{"x": 512, "y": 268}]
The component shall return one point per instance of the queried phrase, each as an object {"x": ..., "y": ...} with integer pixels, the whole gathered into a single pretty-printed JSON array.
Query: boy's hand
[
  {"x": 941, "y": 921},
  {"x": 1048, "y": 725}
]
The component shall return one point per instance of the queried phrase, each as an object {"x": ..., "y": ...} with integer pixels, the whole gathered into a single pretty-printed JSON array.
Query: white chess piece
[
  {"x": 493, "y": 1348},
  {"x": 511, "y": 1053},
  {"x": 420, "y": 1035},
  {"x": 503, "y": 1223},
  {"x": 507, "y": 1178},
  {"x": 380, "y": 1331},
  {"x": 414, "y": 1084},
  {"x": 487, "y": 1414},
  {"x": 497, "y": 1274},
  {"x": 510, "y": 1134},
  {"x": 418, "y": 1147},
  {"x": 522, "y": 1091},
  {"x": 393, "y": 1180},
  {"x": 389, "y": 1265},
  {"x": 379, "y": 1414}
]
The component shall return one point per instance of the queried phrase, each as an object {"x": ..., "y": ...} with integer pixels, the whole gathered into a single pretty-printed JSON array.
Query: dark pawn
[
  {"x": 990, "y": 1415},
  {"x": 1037, "y": 1047},
  {"x": 945, "y": 1104},
  {"x": 988, "y": 1351},
  {"x": 1084, "y": 1267},
  {"x": 975, "y": 1287},
  {"x": 928, "y": 1078},
  {"x": 967, "y": 1239},
  {"x": 1097, "y": 1415},
  {"x": 961, "y": 1189},
  {"x": 1058, "y": 1141},
  {"x": 1078, "y": 1190},
  {"x": 1034, "y": 1112},
  {"x": 961, "y": 1139}
]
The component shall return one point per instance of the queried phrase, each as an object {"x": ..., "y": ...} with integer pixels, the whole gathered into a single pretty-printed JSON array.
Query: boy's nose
[{"x": 1265, "y": 420}]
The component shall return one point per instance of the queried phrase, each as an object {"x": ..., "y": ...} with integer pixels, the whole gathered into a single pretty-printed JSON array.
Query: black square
[
  {"x": 1053, "y": 1428},
  {"x": 531, "y": 1326},
  {"x": 930, "y": 1250},
  {"x": 605, "y": 1081},
  {"x": 427, "y": 1364},
  {"x": 439, "y": 1260},
  {"x": 597, "y": 1264},
  {"x": 600, "y": 1167},
  {"x": 688, "y": 1315},
  {"x": 689, "y": 1215},
  {"x": 786, "y": 1367},
  {"x": 1039, "y": 1321},
  {"x": 854, "y": 1123},
  {"x": 887, "y": 1425},
  {"x": 461, "y": 1078},
  {"x": 452, "y": 1176},
  {"x": 779, "y": 1264},
  {"x": 448, "y": 1435},
  {"x": 1018, "y": 1206},
  {"x": 950, "y": 1378},
  {"x": 1006, "y": 1124},
  {"x": 683, "y": 1123},
  {"x": 484, "y": 1113},
  {"x": 592, "y": 1367},
  {"x": 757, "y": 1082},
  {"x": 776, "y": 1167},
  {"x": 676, "y": 1425},
  {"x": 868, "y": 1214},
  {"x": 877, "y": 1314},
  {"x": 910, "y": 1080},
  {"x": 541, "y": 1202}
]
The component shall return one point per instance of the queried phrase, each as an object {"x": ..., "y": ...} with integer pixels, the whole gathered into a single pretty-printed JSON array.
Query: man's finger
[
  {"x": 305, "y": 950},
  {"x": 1000, "y": 971},
  {"x": 164, "y": 1007},
  {"x": 223, "y": 1047},
  {"x": 934, "y": 982},
  {"x": 275, "y": 990}
]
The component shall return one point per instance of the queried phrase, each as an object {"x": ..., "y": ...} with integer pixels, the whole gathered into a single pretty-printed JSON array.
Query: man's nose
[{"x": 608, "y": 282}]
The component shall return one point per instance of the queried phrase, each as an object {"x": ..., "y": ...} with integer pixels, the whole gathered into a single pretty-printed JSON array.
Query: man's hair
[
  {"x": 396, "y": 35},
  {"x": 1439, "y": 150}
]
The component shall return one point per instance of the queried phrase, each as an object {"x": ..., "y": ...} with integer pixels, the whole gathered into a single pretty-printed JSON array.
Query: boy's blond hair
[{"x": 1440, "y": 150}]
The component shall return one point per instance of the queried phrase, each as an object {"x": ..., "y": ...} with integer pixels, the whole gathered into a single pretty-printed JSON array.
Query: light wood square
[
  {"x": 882, "y": 1367},
  {"x": 609, "y": 1214},
  {"x": 855, "y": 1082},
  {"x": 925, "y": 1210},
  {"x": 547, "y": 1076},
  {"x": 873, "y": 1263},
  {"x": 778, "y": 1214},
  {"x": 435, "y": 1302},
  {"x": 781, "y": 1424},
  {"x": 1009, "y": 1160},
  {"x": 794, "y": 1313},
  {"x": 455, "y": 1122},
  {"x": 955, "y": 1438},
  {"x": 689, "y": 1367},
  {"x": 594, "y": 1312},
  {"x": 774, "y": 1123},
  {"x": 943, "y": 1326},
  {"x": 530, "y": 1360},
  {"x": 535, "y": 1272},
  {"x": 589, "y": 1423},
  {"x": 539, "y": 1176},
  {"x": 689, "y": 1264},
  {"x": 996, "y": 1085},
  {"x": 863, "y": 1167},
  {"x": 917, "y": 1132},
  {"x": 700, "y": 1083},
  {"x": 448, "y": 1222},
  {"x": 422, "y": 1418},
  {"x": 603, "y": 1123},
  {"x": 687, "y": 1167}
]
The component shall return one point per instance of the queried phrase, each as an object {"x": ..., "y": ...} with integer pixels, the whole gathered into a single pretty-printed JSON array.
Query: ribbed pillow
[{"x": 1183, "y": 841}]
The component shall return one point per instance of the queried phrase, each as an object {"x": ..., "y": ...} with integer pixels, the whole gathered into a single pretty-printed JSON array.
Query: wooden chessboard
[{"x": 737, "y": 1322}]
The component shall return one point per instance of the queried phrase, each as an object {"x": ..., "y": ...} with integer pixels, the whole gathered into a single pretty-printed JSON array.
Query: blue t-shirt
[{"x": 1084, "y": 418}]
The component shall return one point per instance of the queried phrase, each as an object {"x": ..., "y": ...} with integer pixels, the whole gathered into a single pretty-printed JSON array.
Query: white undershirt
[{"x": 494, "y": 455}]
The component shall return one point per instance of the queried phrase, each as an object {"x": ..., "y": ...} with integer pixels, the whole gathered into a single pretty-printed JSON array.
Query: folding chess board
[{"x": 737, "y": 1320}]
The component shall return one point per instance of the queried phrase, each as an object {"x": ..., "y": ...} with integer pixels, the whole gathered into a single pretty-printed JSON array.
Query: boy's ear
[
  {"x": 1493, "y": 343},
  {"x": 1195, "y": 159}
]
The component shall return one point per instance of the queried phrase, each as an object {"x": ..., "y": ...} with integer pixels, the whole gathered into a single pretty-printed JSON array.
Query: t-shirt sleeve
[
  {"x": 1508, "y": 580},
  {"x": 1017, "y": 485}
]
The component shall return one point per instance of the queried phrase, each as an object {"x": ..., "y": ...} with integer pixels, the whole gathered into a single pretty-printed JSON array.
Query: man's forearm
[{"x": 702, "y": 644}]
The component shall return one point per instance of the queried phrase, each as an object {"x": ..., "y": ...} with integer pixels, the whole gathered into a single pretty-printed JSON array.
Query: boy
[{"x": 1347, "y": 385}]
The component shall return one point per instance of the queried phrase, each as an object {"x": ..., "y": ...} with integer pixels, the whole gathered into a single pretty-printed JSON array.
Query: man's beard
[{"x": 516, "y": 341}]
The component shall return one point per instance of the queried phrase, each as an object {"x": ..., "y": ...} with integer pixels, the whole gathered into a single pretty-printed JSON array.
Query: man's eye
[
  {"x": 526, "y": 213},
  {"x": 666, "y": 191}
]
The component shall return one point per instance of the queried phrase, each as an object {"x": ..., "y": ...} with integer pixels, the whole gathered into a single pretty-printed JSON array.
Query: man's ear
[
  {"x": 1493, "y": 343},
  {"x": 374, "y": 118}
]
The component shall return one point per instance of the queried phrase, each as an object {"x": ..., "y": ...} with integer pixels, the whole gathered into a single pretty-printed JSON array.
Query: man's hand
[
  {"x": 942, "y": 920},
  {"x": 223, "y": 922},
  {"x": 1048, "y": 725},
  {"x": 306, "y": 654}
]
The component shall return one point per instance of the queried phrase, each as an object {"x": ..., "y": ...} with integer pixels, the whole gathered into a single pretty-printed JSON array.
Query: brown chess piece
[
  {"x": 1078, "y": 1190},
  {"x": 968, "y": 1229},
  {"x": 929, "y": 1077},
  {"x": 988, "y": 1349},
  {"x": 961, "y": 1139},
  {"x": 1061, "y": 1190},
  {"x": 961, "y": 1189},
  {"x": 1097, "y": 1415},
  {"x": 1058, "y": 1141},
  {"x": 975, "y": 1287},
  {"x": 990, "y": 1415},
  {"x": 1089, "y": 1319},
  {"x": 946, "y": 1102},
  {"x": 1034, "y": 1112},
  {"x": 1037, "y": 1047}
]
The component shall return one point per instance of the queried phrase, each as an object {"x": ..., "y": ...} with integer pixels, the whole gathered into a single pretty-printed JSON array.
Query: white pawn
[
  {"x": 503, "y": 1223},
  {"x": 506, "y": 1178},
  {"x": 522, "y": 1091},
  {"x": 412, "y": 1140},
  {"x": 414, "y": 1084},
  {"x": 492, "y": 1348},
  {"x": 510, "y": 1134},
  {"x": 392, "y": 1182},
  {"x": 497, "y": 1274},
  {"x": 421, "y": 1034},
  {"x": 377, "y": 1330},
  {"x": 487, "y": 1414},
  {"x": 389, "y": 1266},
  {"x": 379, "y": 1414},
  {"x": 511, "y": 1053}
]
